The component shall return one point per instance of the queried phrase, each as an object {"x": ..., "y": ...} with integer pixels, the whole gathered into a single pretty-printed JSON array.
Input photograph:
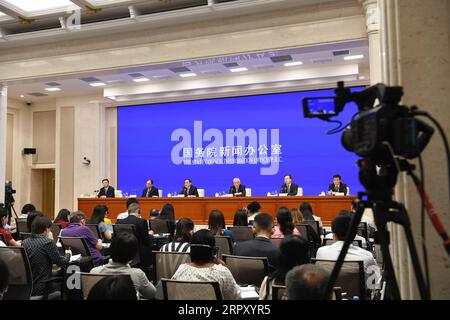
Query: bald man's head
[{"x": 306, "y": 282}]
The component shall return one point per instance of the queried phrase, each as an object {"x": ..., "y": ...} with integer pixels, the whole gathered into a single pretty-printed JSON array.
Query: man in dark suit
[
  {"x": 289, "y": 187},
  {"x": 150, "y": 191},
  {"x": 107, "y": 191},
  {"x": 189, "y": 189},
  {"x": 337, "y": 185},
  {"x": 141, "y": 232},
  {"x": 237, "y": 189},
  {"x": 260, "y": 246}
]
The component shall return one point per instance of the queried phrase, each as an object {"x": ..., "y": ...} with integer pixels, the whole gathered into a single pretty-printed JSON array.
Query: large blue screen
[{"x": 256, "y": 138}]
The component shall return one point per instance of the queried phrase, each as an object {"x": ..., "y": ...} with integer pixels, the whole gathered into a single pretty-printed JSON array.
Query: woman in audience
[
  {"x": 294, "y": 251},
  {"x": 216, "y": 224},
  {"x": 183, "y": 234},
  {"x": 240, "y": 218},
  {"x": 98, "y": 218},
  {"x": 124, "y": 247},
  {"x": 297, "y": 218},
  {"x": 62, "y": 218},
  {"x": 42, "y": 254},
  {"x": 3, "y": 221},
  {"x": 113, "y": 288},
  {"x": 107, "y": 220},
  {"x": 204, "y": 266},
  {"x": 168, "y": 213},
  {"x": 308, "y": 215},
  {"x": 26, "y": 209},
  {"x": 285, "y": 226},
  {"x": 33, "y": 215}
]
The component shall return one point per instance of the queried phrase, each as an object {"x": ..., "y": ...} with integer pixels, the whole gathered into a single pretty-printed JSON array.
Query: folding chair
[
  {"x": 190, "y": 290},
  {"x": 247, "y": 270}
]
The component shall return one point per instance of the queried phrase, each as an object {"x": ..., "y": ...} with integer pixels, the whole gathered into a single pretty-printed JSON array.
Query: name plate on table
[
  {"x": 283, "y": 194},
  {"x": 339, "y": 194}
]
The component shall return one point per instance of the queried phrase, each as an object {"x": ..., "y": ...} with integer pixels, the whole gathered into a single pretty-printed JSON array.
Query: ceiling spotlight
[
  {"x": 97, "y": 84},
  {"x": 355, "y": 57},
  {"x": 53, "y": 89},
  {"x": 292, "y": 64},
  {"x": 187, "y": 75},
  {"x": 143, "y": 79},
  {"x": 241, "y": 69}
]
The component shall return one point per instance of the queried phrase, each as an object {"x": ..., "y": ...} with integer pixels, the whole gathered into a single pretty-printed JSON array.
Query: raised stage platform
[{"x": 198, "y": 209}]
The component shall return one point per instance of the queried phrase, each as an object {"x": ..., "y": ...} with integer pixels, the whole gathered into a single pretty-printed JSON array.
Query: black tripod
[
  {"x": 379, "y": 183},
  {"x": 9, "y": 206}
]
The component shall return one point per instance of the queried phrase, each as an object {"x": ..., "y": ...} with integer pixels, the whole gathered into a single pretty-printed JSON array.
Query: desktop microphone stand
[{"x": 379, "y": 184}]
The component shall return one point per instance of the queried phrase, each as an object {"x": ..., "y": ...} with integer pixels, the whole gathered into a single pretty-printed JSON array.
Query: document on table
[
  {"x": 249, "y": 293},
  {"x": 75, "y": 257}
]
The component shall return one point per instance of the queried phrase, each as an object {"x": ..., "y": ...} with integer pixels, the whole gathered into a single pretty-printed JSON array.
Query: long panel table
[{"x": 198, "y": 208}]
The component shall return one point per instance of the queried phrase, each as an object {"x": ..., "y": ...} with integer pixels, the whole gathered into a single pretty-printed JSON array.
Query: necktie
[{"x": 148, "y": 192}]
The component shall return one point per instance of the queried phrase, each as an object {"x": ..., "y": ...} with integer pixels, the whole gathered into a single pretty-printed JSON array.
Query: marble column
[
  {"x": 3, "y": 124},
  {"x": 415, "y": 35},
  {"x": 372, "y": 13}
]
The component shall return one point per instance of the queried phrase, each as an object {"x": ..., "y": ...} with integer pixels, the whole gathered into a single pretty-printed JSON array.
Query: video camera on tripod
[
  {"x": 9, "y": 191},
  {"x": 9, "y": 199},
  {"x": 386, "y": 136}
]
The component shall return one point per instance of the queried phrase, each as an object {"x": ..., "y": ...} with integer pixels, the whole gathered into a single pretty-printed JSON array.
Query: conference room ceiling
[
  {"x": 25, "y": 22},
  {"x": 257, "y": 67}
]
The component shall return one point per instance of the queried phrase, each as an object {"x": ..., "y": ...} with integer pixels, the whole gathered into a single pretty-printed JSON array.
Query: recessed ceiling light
[
  {"x": 97, "y": 84},
  {"x": 292, "y": 64},
  {"x": 143, "y": 79},
  {"x": 53, "y": 89},
  {"x": 242, "y": 69},
  {"x": 355, "y": 57},
  {"x": 180, "y": 69},
  {"x": 22, "y": 96},
  {"x": 53, "y": 84},
  {"x": 187, "y": 75},
  {"x": 231, "y": 64},
  {"x": 284, "y": 58},
  {"x": 37, "y": 94}
]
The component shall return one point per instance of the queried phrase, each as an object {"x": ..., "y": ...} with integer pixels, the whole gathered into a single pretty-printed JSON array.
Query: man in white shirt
[
  {"x": 339, "y": 227},
  {"x": 357, "y": 237},
  {"x": 124, "y": 215},
  {"x": 252, "y": 211}
]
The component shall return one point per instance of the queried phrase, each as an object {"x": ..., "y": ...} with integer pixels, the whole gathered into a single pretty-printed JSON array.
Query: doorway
[{"x": 43, "y": 191}]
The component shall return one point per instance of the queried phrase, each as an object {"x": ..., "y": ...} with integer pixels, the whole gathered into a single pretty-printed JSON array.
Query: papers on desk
[
  {"x": 249, "y": 293},
  {"x": 161, "y": 235},
  {"x": 75, "y": 257}
]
